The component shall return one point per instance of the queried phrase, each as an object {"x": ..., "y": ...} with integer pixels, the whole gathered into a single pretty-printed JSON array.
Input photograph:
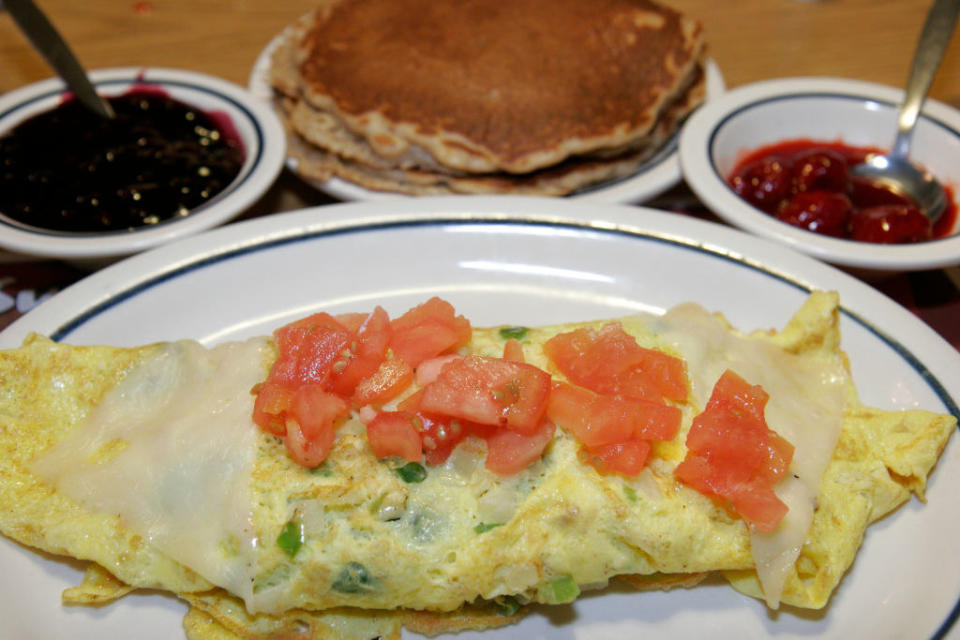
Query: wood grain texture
[
  {"x": 861, "y": 39},
  {"x": 749, "y": 39}
]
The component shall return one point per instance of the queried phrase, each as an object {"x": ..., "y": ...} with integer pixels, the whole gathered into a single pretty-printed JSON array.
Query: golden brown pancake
[
  {"x": 324, "y": 149},
  {"x": 567, "y": 177},
  {"x": 425, "y": 97}
]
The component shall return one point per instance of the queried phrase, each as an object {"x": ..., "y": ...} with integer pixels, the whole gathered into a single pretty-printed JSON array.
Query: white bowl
[
  {"x": 824, "y": 109},
  {"x": 257, "y": 126}
]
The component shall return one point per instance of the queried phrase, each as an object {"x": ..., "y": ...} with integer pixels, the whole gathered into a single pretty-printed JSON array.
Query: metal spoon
[
  {"x": 895, "y": 169},
  {"x": 45, "y": 39}
]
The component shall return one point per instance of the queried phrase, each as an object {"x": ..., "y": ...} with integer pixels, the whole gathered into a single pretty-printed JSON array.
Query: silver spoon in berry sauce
[{"x": 894, "y": 170}]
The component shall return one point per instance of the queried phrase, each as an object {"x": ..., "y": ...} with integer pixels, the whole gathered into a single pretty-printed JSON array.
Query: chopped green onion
[
  {"x": 483, "y": 527},
  {"x": 561, "y": 590},
  {"x": 354, "y": 578},
  {"x": 412, "y": 472},
  {"x": 291, "y": 538},
  {"x": 323, "y": 470},
  {"x": 630, "y": 493},
  {"x": 515, "y": 333},
  {"x": 506, "y": 606}
]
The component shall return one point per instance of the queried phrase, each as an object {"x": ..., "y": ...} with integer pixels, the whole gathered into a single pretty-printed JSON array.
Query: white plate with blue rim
[{"x": 525, "y": 261}]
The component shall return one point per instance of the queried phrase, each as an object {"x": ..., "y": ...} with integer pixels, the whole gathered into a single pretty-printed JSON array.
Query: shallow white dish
[
  {"x": 258, "y": 127},
  {"x": 525, "y": 261},
  {"x": 856, "y": 113},
  {"x": 656, "y": 175}
]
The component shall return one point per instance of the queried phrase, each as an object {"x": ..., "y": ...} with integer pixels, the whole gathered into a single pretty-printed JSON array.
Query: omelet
[{"x": 145, "y": 463}]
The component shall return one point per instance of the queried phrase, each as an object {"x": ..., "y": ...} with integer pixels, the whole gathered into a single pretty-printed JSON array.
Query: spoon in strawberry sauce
[{"x": 894, "y": 170}]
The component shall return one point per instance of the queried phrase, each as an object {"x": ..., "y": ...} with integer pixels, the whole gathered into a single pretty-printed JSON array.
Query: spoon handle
[
  {"x": 45, "y": 39},
  {"x": 941, "y": 21}
]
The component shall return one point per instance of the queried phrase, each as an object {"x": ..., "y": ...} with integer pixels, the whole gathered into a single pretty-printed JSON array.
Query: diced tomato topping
[
  {"x": 393, "y": 433},
  {"x": 315, "y": 409},
  {"x": 659, "y": 376},
  {"x": 513, "y": 350},
  {"x": 627, "y": 458},
  {"x": 387, "y": 382},
  {"x": 593, "y": 419},
  {"x": 308, "y": 349},
  {"x": 412, "y": 402},
  {"x": 305, "y": 452},
  {"x": 441, "y": 435},
  {"x": 310, "y": 423},
  {"x": 271, "y": 406},
  {"x": 734, "y": 456},
  {"x": 429, "y": 370},
  {"x": 597, "y": 420},
  {"x": 351, "y": 321},
  {"x": 326, "y": 364},
  {"x": 610, "y": 361},
  {"x": 364, "y": 353},
  {"x": 615, "y": 431},
  {"x": 423, "y": 342},
  {"x": 509, "y": 452},
  {"x": 490, "y": 391},
  {"x": 427, "y": 331},
  {"x": 284, "y": 369}
]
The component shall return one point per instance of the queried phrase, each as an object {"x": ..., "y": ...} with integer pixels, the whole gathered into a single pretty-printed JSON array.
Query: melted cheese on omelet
[
  {"x": 368, "y": 539},
  {"x": 807, "y": 398},
  {"x": 170, "y": 450}
]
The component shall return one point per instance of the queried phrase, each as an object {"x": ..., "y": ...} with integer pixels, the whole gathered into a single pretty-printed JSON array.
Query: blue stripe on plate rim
[
  {"x": 225, "y": 255},
  {"x": 812, "y": 94},
  {"x": 160, "y": 80}
]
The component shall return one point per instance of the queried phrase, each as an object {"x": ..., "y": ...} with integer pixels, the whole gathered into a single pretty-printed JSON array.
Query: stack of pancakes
[{"x": 543, "y": 97}]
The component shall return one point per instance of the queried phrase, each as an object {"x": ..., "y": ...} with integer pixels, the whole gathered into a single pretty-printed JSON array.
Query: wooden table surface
[{"x": 749, "y": 39}]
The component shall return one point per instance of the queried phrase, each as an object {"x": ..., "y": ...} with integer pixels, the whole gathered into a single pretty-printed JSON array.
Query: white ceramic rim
[
  {"x": 265, "y": 151},
  {"x": 72, "y": 315},
  {"x": 658, "y": 174},
  {"x": 700, "y": 173}
]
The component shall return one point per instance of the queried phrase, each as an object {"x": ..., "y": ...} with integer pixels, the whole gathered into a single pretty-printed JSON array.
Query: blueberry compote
[{"x": 71, "y": 170}]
